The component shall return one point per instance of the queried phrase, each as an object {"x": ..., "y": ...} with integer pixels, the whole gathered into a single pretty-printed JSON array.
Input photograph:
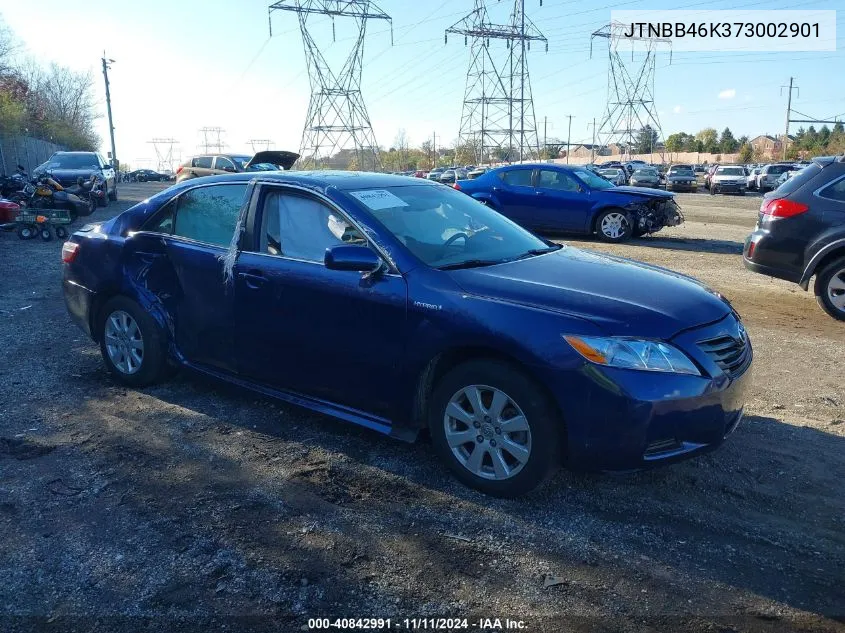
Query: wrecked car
[
  {"x": 402, "y": 305},
  {"x": 572, "y": 199}
]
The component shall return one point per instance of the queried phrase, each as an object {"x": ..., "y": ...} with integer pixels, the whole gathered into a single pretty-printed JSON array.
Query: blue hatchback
[
  {"x": 549, "y": 197},
  {"x": 403, "y": 305}
]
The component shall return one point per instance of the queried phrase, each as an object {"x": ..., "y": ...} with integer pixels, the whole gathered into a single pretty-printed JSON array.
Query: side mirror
[{"x": 352, "y": 257}]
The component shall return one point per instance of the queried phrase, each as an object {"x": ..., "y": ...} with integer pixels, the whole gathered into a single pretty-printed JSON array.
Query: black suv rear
[{"x": 800, "y": 232}]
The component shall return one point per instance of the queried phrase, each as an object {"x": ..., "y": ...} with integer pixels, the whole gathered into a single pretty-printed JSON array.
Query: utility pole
[
  {"x": 568, "y": 138},
  {"x": 593, "y": 146},
  {"x": 545, "y": 135},
  {"x": 788, "y": 112},
  {"x": 106, "y": 66}
]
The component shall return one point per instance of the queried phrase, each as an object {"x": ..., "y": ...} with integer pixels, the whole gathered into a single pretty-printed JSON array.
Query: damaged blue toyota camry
[{"x": 406, "y": 306}]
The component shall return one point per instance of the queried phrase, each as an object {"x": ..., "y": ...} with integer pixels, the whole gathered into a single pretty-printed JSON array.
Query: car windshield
[
  {"x": 730, "y": 171},
  {"x": 445, "y": 228},
  {"x": 681, "y": 171},
  {"x": 645, "y": 173},
  {"x": 592, "y": 180},
  {"x": 73, "y": 161},
  {"x": 262, "y": 167}
]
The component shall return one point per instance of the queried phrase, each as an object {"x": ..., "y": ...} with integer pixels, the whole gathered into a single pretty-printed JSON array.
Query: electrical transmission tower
[
  {"x": 498, "y": 113},
  {"x": 337, "y": 119},
  {"x": 164, "y": 153},
  {"x": 630, "y": 88},
  {"x": 212, "y": 142},
  {"x": 260, "y": 144}
]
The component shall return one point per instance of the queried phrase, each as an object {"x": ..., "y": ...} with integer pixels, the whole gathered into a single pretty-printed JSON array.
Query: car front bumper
[
  {"x": 625, "y": 419},
  {"x": 681, "y": 186}
]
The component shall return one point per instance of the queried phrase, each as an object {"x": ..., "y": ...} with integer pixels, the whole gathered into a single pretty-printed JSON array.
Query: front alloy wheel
[
  {"x": 487, "y": 432},
  {"x": 495, "y": 428},
  {"x": 614, "y": 226}
]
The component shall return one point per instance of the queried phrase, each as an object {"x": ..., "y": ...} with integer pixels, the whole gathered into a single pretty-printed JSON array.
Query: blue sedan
[
  {"x": 402, "y": 305},
  {"x": 549, "y": 197}
]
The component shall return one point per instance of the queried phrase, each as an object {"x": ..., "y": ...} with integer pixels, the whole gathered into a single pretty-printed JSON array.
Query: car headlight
[{"x": 631, "y": 353}]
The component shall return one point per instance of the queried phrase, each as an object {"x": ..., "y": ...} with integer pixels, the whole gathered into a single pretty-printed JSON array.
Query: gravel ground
[{"x": 195, "y": 506}]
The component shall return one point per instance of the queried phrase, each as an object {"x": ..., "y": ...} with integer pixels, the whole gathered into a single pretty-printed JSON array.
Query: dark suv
[
  {"x": 801, "y": 232},
  {"x": 68, "y": 167}
]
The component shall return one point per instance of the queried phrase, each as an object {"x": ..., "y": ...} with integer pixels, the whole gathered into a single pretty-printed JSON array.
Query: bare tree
[{"x": 401, "y": 145}]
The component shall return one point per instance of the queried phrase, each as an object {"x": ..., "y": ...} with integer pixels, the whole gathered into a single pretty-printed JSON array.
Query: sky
[{"x": 181, "y": 66}]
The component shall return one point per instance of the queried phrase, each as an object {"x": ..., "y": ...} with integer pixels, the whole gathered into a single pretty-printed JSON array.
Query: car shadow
[
  {"x": 721, "y": 247},
  {"x": 769, "y": 540}
]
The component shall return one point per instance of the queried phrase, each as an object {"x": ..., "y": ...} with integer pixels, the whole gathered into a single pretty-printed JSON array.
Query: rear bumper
[
  {"x": 79, "y": 301},
  {"x": 759, "y": 256}
]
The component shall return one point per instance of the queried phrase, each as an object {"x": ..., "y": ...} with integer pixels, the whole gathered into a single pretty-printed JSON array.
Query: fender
[{"x": 838, "y": 243}]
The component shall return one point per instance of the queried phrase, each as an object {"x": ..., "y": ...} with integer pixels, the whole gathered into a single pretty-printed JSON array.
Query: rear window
[
  {"x": 799, "y": 179},
  {"x": 778, "y": 169}
]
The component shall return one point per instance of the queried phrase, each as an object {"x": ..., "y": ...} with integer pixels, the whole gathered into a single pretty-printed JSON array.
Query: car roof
[{"x": 320, "y": 180}]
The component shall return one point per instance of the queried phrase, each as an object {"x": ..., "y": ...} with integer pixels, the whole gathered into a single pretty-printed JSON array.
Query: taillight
[
  {"x": 782, "y": 208},
  {"x": 179, "y": 170},
  {"x": 69, "y": 251},
  {"x": 456, "y": 186}
]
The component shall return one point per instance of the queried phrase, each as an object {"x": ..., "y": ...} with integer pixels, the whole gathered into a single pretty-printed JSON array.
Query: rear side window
[
  {"x": 778, "y": 169},
  {"x": 209, "y": 214},
  {"x": 798, "y": 180},
  {"x": 834, "y": 191},
  {"x": 516, "y": 177},
  {"x": 202, "y": 161}
]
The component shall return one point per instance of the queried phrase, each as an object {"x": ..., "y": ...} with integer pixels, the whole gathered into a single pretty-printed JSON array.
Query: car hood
[
  {"x": 623, "y": 297},
  {"x": 640, "y": 191},
  {"x": 282, "y": 159},
  {"x": 70, "y": 176}
]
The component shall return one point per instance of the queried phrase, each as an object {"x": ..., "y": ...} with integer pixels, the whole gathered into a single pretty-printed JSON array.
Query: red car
[
  {"x": 8, "y": 211},
  {"x": 710, "y": 170}
]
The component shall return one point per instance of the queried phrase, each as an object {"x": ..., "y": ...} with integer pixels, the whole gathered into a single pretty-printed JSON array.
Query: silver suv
[{"x": 768, "y": 177}]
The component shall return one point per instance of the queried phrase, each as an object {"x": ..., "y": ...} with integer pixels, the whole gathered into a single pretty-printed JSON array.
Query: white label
[
  {"x": 377, "y": 199},
  {"x": 725, "y": 30}
]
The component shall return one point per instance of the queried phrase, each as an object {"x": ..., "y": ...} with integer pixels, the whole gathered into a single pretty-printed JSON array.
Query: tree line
[{"x": 53, "y": 103}]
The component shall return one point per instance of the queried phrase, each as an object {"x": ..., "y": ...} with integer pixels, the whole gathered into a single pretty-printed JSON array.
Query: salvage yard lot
[{"x": 194, "y": 504}]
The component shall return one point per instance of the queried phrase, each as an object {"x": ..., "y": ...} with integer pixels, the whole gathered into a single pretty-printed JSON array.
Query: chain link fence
[{"x": 24, "y": 150}]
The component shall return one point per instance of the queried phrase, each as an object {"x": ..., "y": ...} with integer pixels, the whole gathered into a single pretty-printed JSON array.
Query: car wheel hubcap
[
  {"x": 836, "y": 290},
  {"x": 613, "y": 225},
  {"x": 487, "y": 432},
  {"x": 124, "y": 343}
]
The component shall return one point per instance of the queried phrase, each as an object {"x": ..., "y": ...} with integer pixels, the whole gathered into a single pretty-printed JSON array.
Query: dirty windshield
[{"x": 445, "y": 228}]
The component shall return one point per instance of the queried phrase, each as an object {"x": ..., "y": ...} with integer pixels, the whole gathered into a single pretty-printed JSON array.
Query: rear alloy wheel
[
  {"x": 614, "y": 225},
  {"x": 830, "y": 289},
  {"x": 494, "y": 428},
  {"x": 132, "y": 343}
]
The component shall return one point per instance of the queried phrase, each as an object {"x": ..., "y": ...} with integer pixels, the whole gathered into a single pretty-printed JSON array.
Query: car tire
[
  {"x": 104, "y": 200},
  {"x": 113, "y": 194},
  {"x": 27, "y": 231},
  {"x": 92, "y": 206},
  {"x": 614, "y": 225},
  {"x": 132, "y": 344},
  {"x": 535, "y": 438},
  {"x": 830, "y": 289}
]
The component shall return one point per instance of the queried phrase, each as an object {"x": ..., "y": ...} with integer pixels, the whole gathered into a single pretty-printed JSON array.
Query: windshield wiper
[
  {"x": 538, "y": 251},
  {"x": 471, "y": 263}
]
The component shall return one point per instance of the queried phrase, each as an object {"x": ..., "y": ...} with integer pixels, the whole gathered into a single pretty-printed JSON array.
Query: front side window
[
  {"x": 303, "y": 228},
  {"x": 557, "y": 180},
  {"x": 209, "y": 214},
  {"x": 203, "y": 162},
  {"x": 591, "y": 180},
  {"x": 446, "y": 228},
  {"x": 516, "y": 177},
  {"x": 221, "y": 162}
]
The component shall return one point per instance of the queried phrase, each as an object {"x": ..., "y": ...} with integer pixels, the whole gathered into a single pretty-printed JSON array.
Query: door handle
[
  {"x": 541, "y": 193},
  {"x": 253, "y": 279},
  {"x": 496, "y": 188}
]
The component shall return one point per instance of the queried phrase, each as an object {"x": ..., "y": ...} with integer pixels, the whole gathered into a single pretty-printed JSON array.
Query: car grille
[{"x": 731, "y": 355}]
